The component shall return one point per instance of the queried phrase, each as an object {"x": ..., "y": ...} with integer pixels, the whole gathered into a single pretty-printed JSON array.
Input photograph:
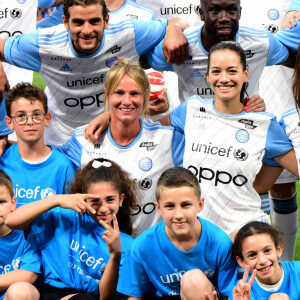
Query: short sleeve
[
  {"x": 148, "y": 34},
  {"x": 277, "y": 143},
  {"x": 178, "y": 117},
  {"x": 290, "y": 37},
  {"x": 23, "y": 51}
]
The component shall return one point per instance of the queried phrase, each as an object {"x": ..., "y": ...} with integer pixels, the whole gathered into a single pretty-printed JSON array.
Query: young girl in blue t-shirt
[
  {"x": 257, "y": 248},
  {"x": 81, "y": 257}
]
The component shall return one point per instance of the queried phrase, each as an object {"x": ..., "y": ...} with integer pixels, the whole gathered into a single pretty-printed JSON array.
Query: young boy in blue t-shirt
[
  {"x": 36, "y": 170},
  {"x": 19, "y": 262},
  {"x": 183, "y": 255}
]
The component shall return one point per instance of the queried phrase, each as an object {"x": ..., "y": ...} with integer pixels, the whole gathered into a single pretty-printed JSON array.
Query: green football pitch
[{"x": 38, "y": 81}]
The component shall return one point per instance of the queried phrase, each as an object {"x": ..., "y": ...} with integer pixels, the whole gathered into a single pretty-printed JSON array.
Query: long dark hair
[
  {"x": 296, "y": 81},
  {"x": 115, "y": 175}
]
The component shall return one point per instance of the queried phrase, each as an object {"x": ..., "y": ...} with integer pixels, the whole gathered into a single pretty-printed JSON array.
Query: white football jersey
[
  {"x": 260, "y": 46},
  {"x": 145, "y": 158},
  {"x": 275, "y": 83},
  {"x": 225, "y": 153},
  {"x": 17, "y": 17},
  {"x": 76, "y": 82}
]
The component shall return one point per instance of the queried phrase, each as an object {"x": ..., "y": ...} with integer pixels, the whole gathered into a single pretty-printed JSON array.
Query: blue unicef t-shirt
[
  {"x": 73, "y": 252},
  {"x": 34, "y": 182},
  {"x": 155, "y": 265},
  {"x": 289, "y": 286},
  {"x": 16, "y": 254}
]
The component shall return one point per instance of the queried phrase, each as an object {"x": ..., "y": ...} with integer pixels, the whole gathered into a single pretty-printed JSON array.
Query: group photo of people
[{"x": 149, "y": 149}]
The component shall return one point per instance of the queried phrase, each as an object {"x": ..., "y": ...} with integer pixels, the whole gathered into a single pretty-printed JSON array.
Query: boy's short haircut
[
  {"x": 6, "y": 181},
  {"x": 27, "y": 91},
  {"x": 175, "y": 178}
]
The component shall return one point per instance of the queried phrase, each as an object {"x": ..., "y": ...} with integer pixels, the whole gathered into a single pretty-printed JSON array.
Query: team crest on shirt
[
  {"x": 145, "y": 184},
  {"x": 240, "y": 154},
  {"x": 48, "y": 192},
  {"x": 273, "y": 14},
  {"x": 145, "y": 164},
  {"x": 242, "y": 136},
  {"x": 21, "y": 1},
  {"x": 16, "y": 13},
  {"x": 110, "y": 62}
]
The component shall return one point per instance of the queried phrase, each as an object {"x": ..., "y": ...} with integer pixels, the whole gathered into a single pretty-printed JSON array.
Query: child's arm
[
  {"x": 242, "y": 290},
  {"x": 9, "y": 278},
  {"x": 134, "y": 298},
  {"x": 109, "y": 280},
  {"x": 23, "y": 216}
]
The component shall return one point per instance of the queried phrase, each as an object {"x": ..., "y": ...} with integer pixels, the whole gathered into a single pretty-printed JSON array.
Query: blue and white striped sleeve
[
  {"x": 148, "y": 34},
  {"x": 23, "y": 51},
  {"x": 290, "y": 37},
  {"x": 178, "y": 117},
  {"x": 278, "y": 53},
  {"x": 295, "y": 5}
]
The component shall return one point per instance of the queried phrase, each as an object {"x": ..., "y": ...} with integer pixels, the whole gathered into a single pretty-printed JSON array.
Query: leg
[
  {"x": 22, "y": 291},
  {"x": 285, "y": 215},
  {"x": 279, "y": 296},
  {"x": 194, "y": 284}
]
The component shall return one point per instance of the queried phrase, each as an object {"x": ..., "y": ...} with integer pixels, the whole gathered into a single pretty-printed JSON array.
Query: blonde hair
[{"x": 125, "y": 66}]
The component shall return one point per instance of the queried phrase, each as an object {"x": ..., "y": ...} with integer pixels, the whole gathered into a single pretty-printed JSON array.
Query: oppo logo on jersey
[
  {"x": 219, "y": 177},
  {"x": 4, "y": 34},
  {"x": 85, "y": 101},
  {"x": 147, "y": 209}
]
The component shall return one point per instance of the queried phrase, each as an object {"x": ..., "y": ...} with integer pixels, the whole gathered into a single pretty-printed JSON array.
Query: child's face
[
  {"x": 107, "y": 204},
  {"x": 30, "y": 131},
  {"x": 179, "y": 208},
  {"x": 7, "y": 203},
  {"x": 260, "y": 253}
]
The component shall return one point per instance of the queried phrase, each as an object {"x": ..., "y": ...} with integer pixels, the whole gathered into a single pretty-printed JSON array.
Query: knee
[
  {"x": 279, "y": 296},
  {"x": 22, "y": 291},
  {"x": 194, "y": 284}
]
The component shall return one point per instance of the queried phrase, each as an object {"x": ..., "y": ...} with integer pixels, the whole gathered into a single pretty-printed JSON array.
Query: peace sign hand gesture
[
  {"x": 112, "y": 236},
  {"x": 242, "y": 290}
]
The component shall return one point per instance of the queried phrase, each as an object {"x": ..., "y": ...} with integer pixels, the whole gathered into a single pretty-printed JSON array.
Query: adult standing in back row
[{"x": 74, "y": 58}]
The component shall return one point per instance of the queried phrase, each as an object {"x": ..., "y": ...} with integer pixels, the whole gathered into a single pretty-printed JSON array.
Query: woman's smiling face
[{"x": 226, "y": 75}]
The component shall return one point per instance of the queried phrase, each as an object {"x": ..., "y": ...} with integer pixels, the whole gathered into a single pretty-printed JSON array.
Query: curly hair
[
  {"x": 27, "y": 91},
  {"x": 120, "y": 180}
]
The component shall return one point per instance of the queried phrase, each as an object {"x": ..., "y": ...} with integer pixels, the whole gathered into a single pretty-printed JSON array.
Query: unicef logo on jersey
[
  {"x": 242, "y": 136},
  {"x": 240, "y": 154},
  {"x": 273, "y": 28},
  {"x": 16, "y": 13},
  {"x": 145, "y": 164},
  {"x": 48, "y": 192},
  {"x": 145, "y": 184},
  {"x": 16, "y": 263},
  {"x": 273, "y": 14}
]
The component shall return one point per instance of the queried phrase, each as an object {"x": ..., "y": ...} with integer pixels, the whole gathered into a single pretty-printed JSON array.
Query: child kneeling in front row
[
  {"x": 258, "y": 247},
  {"x": 18, "y": 261},
  {"x": 181, "y": 252}
]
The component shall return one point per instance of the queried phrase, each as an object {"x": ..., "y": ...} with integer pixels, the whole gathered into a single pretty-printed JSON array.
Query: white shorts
[{"x": 286, "y": 177}]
